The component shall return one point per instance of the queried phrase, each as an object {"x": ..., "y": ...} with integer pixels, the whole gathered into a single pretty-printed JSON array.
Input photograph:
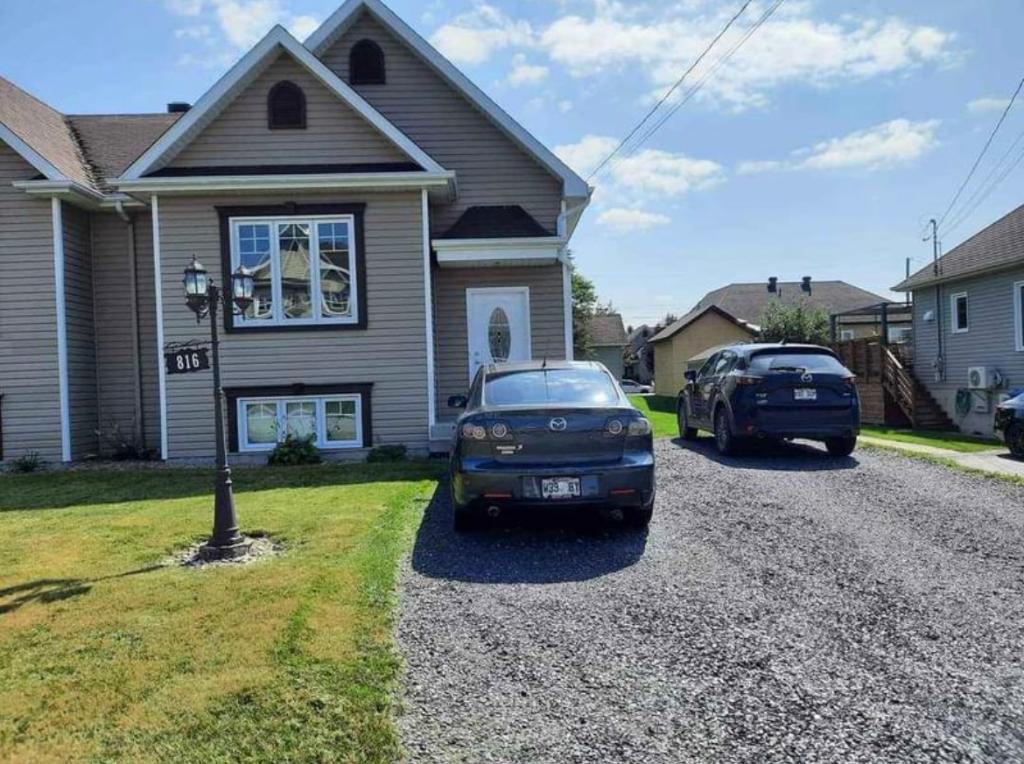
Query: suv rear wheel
[
  {"x": 685, "y": 431},
  {"x": 1015, "y": 439},
  {"x": 724, "y": 439},
  {"x": 841, "y": 446}
]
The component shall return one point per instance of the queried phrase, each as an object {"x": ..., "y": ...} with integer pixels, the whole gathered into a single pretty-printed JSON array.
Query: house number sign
[{"x": 187, "y": 360}]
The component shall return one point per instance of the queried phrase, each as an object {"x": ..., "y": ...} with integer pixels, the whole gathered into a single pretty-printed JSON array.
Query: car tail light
[
  {"x": 473, "y": 431},
  {"x": 639, "y": 427},
  {"x": 748, "y": 379},
  {"x": 851, "y": 381}
]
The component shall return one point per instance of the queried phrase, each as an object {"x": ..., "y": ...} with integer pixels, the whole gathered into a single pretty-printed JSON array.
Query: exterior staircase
[{"x": 912, "y": 398}]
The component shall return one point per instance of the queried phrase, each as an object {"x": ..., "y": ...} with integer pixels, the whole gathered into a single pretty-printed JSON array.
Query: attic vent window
[
  {"x": 366, "y": 64},
  {"x": 286, "y": 107}
]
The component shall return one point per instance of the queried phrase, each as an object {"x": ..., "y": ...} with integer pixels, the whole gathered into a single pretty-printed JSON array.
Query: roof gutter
[
  {"x": 438, "y": 182},
  {"x": 66, "y": 190}
]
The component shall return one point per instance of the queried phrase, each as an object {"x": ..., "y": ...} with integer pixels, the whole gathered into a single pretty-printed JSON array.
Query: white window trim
[
  {"x": 1018, "y": 314},
  {"x": 273, "y": 222},
  {"x": 244, "y": 446},
  {"x": 954, "y": 328}
]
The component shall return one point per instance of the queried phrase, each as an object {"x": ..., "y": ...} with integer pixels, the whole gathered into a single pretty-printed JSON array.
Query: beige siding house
[{"x": 401, "y": 229}]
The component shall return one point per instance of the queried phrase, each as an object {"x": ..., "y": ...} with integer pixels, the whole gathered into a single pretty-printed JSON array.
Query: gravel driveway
[{"x": 788, "y": 607}]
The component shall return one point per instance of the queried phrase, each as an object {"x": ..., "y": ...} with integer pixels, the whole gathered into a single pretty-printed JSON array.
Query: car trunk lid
[{"x": 555, "y": 436}]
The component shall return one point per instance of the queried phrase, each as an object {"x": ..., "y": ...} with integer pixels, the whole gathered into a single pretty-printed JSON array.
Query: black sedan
[
  {"x": 543, "y": 433},
  {"x": 1009, "y": 424},
  {"x": 772, "y": 392}
]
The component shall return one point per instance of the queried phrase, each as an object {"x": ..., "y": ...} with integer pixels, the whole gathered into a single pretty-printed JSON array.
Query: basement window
[
  {"x": 332, "y": 422},
  {"x": 286, "y": 107},
  {"x": 959, "y": 315}
]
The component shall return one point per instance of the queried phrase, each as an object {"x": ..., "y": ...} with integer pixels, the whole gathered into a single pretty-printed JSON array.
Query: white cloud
[
  {"x": 987, "y": 104},
  {"x": 659, "y": 41},
  {"x": 565, "y": 106},
  {"x": 225, "y": 27},
  {"x": 184, "y": 7},
  {"x": 891, "y": 143},
  {"x": 584, "y": 155},
  {"x": 471, "y": 38},
  {"x": 199, "y": 32},
  {"x": 524, "y": 73},
  {"x": 623, "y": 219}
]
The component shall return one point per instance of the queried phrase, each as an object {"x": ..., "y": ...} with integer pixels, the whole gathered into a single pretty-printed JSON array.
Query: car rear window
[
  {"x": 540, "y": 387},
  {"x": 815, "y": 363}
]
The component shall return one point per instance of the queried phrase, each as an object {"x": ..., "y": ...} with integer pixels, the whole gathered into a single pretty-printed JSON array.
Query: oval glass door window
[{"x": 499, "y": 336}]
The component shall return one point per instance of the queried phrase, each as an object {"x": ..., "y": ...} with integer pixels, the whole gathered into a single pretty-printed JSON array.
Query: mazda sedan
[{"x": 544, "y": 434}]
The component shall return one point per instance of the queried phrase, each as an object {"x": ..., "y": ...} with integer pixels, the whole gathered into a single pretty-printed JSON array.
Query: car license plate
[
  {"x": 805, "y": 394},
  {"x": 560, "y": 488}
]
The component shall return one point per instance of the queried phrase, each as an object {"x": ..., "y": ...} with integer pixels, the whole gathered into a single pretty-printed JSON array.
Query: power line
[
  {"x": 672, "y": 89},
  {"x": 970, "y": 210},
  {"x": 984, "y": 149}
]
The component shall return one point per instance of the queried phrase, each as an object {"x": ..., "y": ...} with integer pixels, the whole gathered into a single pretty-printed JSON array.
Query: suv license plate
[
  {"x": 805, "y": 394},
  {"x": 560, "y": 488}
]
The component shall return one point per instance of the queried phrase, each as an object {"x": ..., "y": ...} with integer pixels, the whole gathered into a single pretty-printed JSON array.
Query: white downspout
[
  {"x": 62, "y": 328},
  {"x": 158, "y": 283},
  {"x": 428, "y": 298}
]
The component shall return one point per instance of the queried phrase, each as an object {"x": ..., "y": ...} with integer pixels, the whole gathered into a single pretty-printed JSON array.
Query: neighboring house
[
  {"x": 969, "y": 323},
  {"x": 402, "y": 228},
  {"x": 639, "y": 356},
  {"x": 607, "y": 337},
  {"x": 698, "y": 330}
]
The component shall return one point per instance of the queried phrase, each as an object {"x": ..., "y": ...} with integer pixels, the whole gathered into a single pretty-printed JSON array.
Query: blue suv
[{"x": 775, "y": 391}]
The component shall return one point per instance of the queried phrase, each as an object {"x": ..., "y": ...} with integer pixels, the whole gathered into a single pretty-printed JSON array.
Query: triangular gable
[
  {"x": 240, "y": 76},
  {"x": 335, "y": 26}
]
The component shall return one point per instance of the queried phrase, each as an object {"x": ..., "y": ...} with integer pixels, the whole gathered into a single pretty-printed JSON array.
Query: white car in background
[{"x": 629, "y": 387}]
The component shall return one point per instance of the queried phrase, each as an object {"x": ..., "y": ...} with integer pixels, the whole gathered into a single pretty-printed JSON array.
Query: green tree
[
  {"x": 584, "y": 303},
  {"x": 794, "y": 322}
]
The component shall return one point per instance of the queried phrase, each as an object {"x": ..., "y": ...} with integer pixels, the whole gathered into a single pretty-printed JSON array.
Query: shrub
[
  {"x": 123, "y": 446},
  {"x": 30, "y": 462},
  {"x": 795, "y": 322},
  {"x": 394, "y": 453},
  {"x": 292, "y": 451}
]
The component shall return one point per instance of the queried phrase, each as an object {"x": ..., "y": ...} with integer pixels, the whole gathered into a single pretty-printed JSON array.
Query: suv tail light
[{"x": 748, "y": 379}]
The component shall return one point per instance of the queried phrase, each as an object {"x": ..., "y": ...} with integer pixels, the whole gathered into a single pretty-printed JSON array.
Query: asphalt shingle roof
[
  {"x": 606, "y": 330},
  {"x": 495, "y": 222},
  {"x": 679, "y": 324},
  {"x": 747, "y": 302},
  {"x": 997, "y": 246},
  {"x": 111, "y": 142}
]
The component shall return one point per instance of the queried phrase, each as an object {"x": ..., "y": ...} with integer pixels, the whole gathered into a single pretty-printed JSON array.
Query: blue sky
[{"x": 820, "y": 148}]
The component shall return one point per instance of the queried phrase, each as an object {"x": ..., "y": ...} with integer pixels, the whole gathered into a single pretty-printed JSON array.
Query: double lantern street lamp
[{"x": 203, "y": 296}]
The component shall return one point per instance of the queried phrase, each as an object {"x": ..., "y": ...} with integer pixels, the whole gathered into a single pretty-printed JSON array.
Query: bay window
[
  {"x": 332, "y": 421},
  {"x": 306, "y": 267}
]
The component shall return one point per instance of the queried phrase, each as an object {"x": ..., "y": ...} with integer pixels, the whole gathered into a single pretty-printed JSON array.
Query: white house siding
[
  {"x": 116, "y": 369},
  {"x": 30, "y": 408},
  {"x": 491, "y": 168},
  {"x": 547, "y": 319},
  {"x": 990, "y": 341},
  {"x": 390, "y": 352},
  {"x": 334, "y": 134},
  {"x": 78, "y": 290}
]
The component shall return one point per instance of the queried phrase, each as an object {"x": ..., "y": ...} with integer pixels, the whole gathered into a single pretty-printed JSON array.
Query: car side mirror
[
  {"x": 690, "y": 375},
  {"x": 457, "y": 402}
]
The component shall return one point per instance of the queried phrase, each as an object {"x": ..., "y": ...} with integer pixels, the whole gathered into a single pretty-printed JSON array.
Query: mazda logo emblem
[
  {"x": 558, "y": 424},
  {"x": 807, "y": 377}
]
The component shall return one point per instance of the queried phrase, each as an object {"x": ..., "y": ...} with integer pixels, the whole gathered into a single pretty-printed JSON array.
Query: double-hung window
[
  {"x": 1018, "y": 313},
  {"x": 304, "y": 269},
  {"x": 959, "y": 318},
  {"x": 332, "y": 421}
]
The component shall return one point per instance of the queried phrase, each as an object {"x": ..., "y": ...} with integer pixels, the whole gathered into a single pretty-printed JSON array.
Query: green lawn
[
  {"x": 107, "y": 654},
  {"x": 953, "y": 441},
  {"x": 661, "y": 410}
]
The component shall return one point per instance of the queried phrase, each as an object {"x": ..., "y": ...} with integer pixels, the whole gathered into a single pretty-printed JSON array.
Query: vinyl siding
[
  {"x": 547, "y": 320},
  {"x": 671, "y": 355},
  {"x": 611, "y": 357},
  {"x": 390, "y": 352},
  {"x": 990, "y": 341},
  {"x": 117, "y": 372},
  {"x": 28, "y": 319},
  {"x": 80, "y": 331},
  {"x": 491, "y": 168},
  {"x": 334, "y": 134}
]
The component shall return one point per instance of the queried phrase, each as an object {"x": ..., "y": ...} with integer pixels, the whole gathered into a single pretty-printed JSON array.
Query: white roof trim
[
  {"x": 29, "y": 154},
  {"x": 533, "y": 250},
  {"x": 243, "y": 72},
  {"x": 339, "y": 21},
  {"x": 381, "y": 181},
  {"x": 68, "y": 190}
]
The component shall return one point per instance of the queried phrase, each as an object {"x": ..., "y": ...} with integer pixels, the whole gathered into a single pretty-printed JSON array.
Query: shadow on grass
[
  {"x": 49, "y": 590},
  {"x": 771, "y": 455},
  {"x": 526, "y": 546},
  {"x": 59, "y": 490}
]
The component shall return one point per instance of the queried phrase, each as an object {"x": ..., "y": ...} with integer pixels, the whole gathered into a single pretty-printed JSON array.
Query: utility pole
[
  {"x": 940, "y": 369},
  {"x": 908, "y": 279}
]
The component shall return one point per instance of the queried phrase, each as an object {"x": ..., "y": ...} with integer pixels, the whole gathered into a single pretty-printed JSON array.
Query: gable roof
[
  {"x": 242, "y": 74},
  {"x": 42, "y": 136},
  {"x": 606, "y": 330},
  {"x": 495, "y": 222},
  {"x": 341, "y": 19},
  {"x": 747, "y": 302},
  {"x": 999, "y": 245},
  {"x": 677, "y": 326},
  {"x": 111, "y": 142}
]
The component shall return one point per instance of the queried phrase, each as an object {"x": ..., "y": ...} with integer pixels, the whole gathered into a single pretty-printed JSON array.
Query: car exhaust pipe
[
  {"x": 617, "y": 514},
  {"x": 493, "y": 511}
]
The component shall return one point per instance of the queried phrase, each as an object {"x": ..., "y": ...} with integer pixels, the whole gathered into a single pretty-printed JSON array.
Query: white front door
[{"x": 498, "y": 325}]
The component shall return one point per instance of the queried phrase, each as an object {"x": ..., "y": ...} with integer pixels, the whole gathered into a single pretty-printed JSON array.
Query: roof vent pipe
[{"x": 178, "y": 107}]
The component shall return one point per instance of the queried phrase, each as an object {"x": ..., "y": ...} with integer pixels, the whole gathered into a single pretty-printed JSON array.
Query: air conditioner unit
[{"x": 979, "y": 378}]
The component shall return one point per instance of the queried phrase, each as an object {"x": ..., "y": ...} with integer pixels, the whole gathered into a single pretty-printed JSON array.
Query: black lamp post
[{"x": 202, "y": 295}]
